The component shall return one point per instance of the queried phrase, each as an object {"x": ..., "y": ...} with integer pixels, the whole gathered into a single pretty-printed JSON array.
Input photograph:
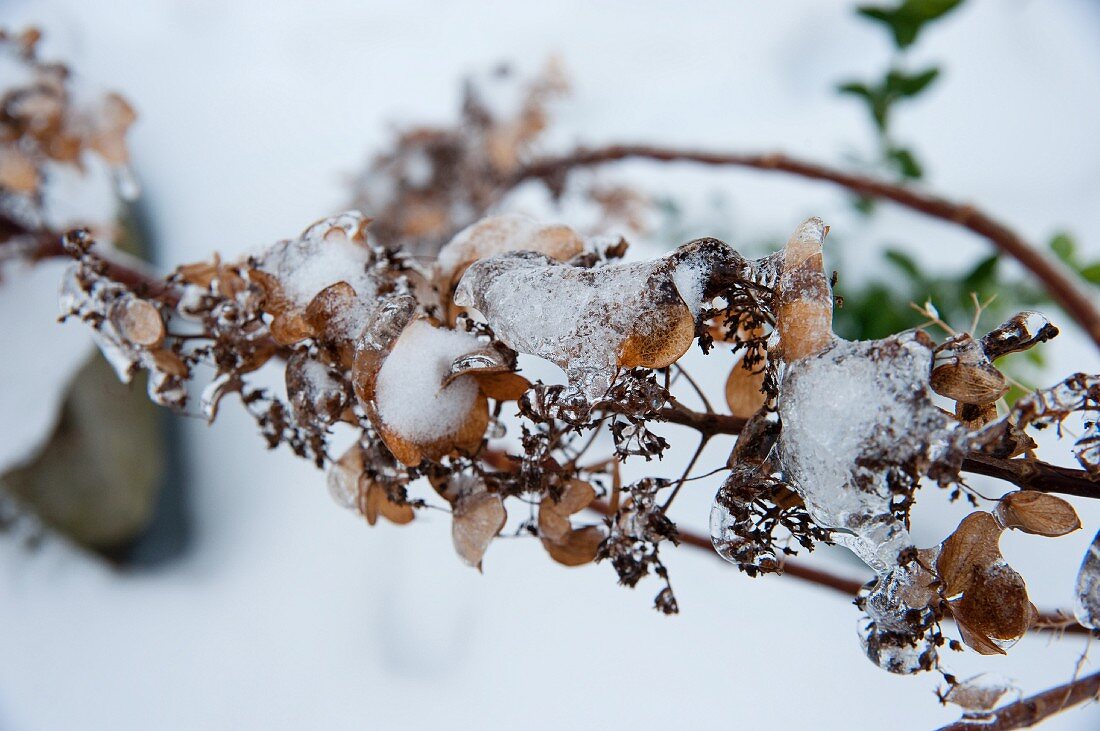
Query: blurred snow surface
[{"x": 290, "y": 612}]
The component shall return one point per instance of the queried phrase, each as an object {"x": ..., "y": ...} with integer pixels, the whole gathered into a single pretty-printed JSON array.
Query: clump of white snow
[
  {"x": 329, "y": 251},
  {"x": 410, "y": 395}
]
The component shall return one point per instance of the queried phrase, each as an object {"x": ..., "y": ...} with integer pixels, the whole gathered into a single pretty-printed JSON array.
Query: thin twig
[
  {"x": 1030, "y": 711},
  {"x": 1046, "y": 621},
  {"x": 1058, "y": 282}
]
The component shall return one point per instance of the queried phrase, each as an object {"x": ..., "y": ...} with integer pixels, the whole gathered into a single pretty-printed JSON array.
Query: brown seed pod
[{"x": 962, "y": 371}]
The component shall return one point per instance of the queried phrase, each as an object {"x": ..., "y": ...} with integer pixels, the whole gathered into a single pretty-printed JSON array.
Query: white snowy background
[{"x": 289, "y": 612}]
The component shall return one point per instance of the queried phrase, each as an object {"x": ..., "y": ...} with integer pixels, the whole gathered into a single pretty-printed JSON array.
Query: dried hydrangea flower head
[
  {"x": 52, "y": 131},
  {"x": 439, "y": 180},
  {"x": 834, "y": 437}
]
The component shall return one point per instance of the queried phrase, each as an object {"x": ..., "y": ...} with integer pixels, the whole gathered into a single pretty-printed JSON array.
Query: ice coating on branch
[
  {"x": 591, "y": 322},
  {"x": 854, "y": 416},
  {"x": 1086, "y": 606},
  {"x": 410, "y": 395}
]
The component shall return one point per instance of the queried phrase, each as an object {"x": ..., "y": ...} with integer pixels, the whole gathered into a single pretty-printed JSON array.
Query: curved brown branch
[
  {"x": 1032, "y": 710},
  {"x": 1060, "y": 285},
  {"x": 1034, "y": 475},
  {"x": 1047, "y": 621}
]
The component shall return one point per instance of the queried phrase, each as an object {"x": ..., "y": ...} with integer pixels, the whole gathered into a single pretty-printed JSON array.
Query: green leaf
[
  {"x": 905, "y": 162},
  {"x": 856, "y": 88},
  {"x": 865, "y": 204},
  {"x": 1063, "y": 246},
  {"x": 907, "y": 19},
  {"x": 899, "y": 83},
  {"x": 982, "y": 278},
  {"x": 905, "y": 263},
  {"x": 1091, "y": 273}
]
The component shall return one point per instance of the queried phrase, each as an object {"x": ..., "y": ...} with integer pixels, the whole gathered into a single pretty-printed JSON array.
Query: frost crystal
[{"x": 857, "y": 419}]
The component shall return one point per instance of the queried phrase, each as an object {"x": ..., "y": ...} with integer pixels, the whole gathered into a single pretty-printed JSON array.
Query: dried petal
[
  {"x": 962, "y": 371},
  {"x": 138, "y": 321},
  {"x": 566, "y": 545},
  {"x": 478, "y": 518},
  {"x": 498, "y": 234},
  {"x": 377, "y": 502},
  {"x": 987, "y": 598},
  {"x": 744, "y": 390},
  {"x": 1038, "y": 513},
  {"x": 803, "y": 297}
]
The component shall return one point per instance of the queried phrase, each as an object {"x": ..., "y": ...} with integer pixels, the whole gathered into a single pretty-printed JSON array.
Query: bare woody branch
[{"x": 1058, "y": 282}]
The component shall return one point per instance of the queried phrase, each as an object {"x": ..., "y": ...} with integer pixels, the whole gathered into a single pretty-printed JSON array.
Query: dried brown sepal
[
  {"x": 661, "y": 341},
  {"x": 962, "y": 371},
  {"x": 138, "y": 321},
  {"x": 1038, "y": 513},
  {"x": 744, "y": 390},
  {"x": 975, "y": 416},
  {"x": 18, "y": 173},
  {"x": 502, "y": 386},
  {"x": 288, "y": 325},
  {"x": 498, "y": 234},
  {"x": 466, "y": 440},
  {"x": 375, "y": 502},
  {"x": 565, "y": 544},
  {"x": 976, "y": 695},
  {"x": 351, "y": 487},
  {"x": 478, "y": 517},
  {"x": 493, "y": 371},
  {"x": 988, "y": 599},
  {"x": 330, "y": 317},
  {"x": 803, "y": 296},
  {"x": 225, "y": 279},
  {"x": 379, "y": 337},
  {"x": 171, "y": 363},
  {"x": 1022, "y": 331},
  {"x": 317, "y": 393}
]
